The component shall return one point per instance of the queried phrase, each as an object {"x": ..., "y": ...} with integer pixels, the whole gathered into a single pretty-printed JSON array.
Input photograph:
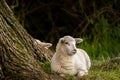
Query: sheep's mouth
[
  {"x": 74, "y": 52},
  {"x": 71, "y": 54}
]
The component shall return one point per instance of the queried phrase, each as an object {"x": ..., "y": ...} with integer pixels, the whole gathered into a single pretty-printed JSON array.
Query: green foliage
[{"x": 103, "y": 41}]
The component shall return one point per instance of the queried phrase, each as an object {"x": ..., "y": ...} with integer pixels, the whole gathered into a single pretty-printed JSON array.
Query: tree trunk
[{"x": 19, "y": 56}]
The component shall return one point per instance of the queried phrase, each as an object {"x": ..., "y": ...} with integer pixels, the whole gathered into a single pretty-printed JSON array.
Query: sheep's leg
[
  {"x": 66, "y": 70},
  {"x": 61, "y": 72}
]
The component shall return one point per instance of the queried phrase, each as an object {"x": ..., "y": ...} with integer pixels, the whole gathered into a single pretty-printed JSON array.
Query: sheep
[
  {"x": 44, "y": 48},
  {"x": 43, "y": 44},
  {"x": 70, "y": 60}
]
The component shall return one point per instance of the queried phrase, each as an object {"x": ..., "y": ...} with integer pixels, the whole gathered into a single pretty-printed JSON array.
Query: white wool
[
  {"x": 70, "y": 60},
  {"x": 45, "y": 45}
]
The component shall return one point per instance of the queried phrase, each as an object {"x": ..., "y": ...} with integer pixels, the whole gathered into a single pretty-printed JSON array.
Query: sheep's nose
[{"x": 74, "y": 50}]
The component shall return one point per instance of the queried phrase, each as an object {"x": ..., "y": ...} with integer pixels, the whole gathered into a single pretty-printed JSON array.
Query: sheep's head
[
  {"x": 43, "y": 44},
  {"x": 68, "y": 44}
]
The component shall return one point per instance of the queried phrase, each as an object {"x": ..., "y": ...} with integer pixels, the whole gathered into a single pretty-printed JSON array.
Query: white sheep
[
  {"x": 70, "y": 60},
  {"x": 43, "y": 44}
]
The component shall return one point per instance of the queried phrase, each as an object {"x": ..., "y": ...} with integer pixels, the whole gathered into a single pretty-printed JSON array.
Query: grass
[
  {"x": 103, "y": 42},
  {"x": 105, "y": 75},
  {"x": 105, "y": 70}
]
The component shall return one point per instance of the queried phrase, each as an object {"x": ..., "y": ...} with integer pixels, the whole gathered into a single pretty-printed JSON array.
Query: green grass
[
  {"x": 104, "y": 40},
  {"x": 105, "y": 75},
  {"x": 105, "y": 70}
]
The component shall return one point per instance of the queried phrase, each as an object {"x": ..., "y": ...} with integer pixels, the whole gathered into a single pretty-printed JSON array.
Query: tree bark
[{"x": 20, "y": 58}]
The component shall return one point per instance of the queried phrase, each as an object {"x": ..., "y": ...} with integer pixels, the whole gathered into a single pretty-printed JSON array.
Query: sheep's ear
[
  {"x": 46, "y": 45},
  {"x": 78, "y": 40},
  {"x": 62, "y": 40}
]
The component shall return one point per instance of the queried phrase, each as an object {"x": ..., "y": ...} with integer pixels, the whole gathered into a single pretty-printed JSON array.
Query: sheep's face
[{"x": 68, "y": 44}]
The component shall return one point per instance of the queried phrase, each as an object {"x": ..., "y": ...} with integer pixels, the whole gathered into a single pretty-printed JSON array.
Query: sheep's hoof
[{"x": 80, "y": 74}]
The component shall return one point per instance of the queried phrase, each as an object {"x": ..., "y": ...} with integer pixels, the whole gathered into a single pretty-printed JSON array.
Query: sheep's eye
[{"x": 67, "y": 43}]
